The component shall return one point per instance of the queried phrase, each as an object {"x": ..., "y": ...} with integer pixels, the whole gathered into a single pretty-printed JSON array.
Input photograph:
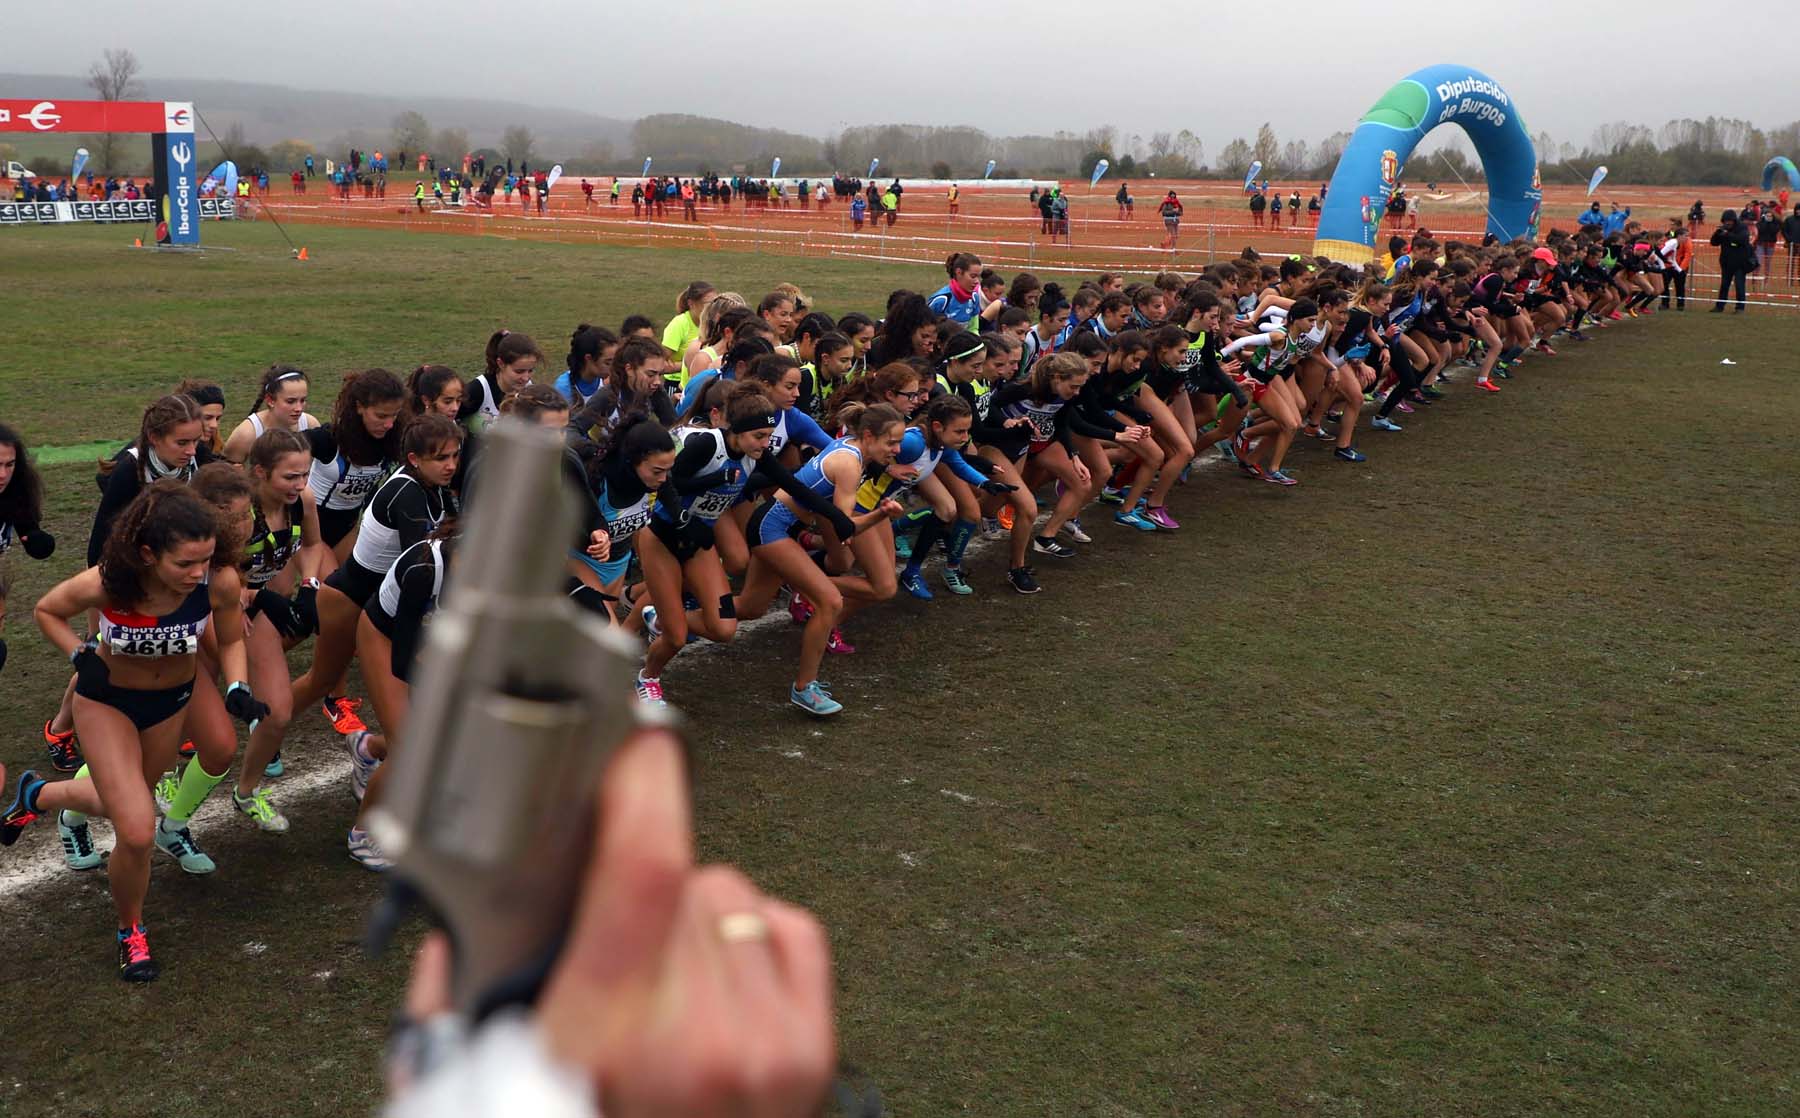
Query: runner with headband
[{"x": 280, "y": 403}]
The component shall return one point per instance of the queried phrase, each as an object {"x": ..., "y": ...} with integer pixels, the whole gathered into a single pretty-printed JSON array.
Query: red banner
[{"x": 90, "y": 116}]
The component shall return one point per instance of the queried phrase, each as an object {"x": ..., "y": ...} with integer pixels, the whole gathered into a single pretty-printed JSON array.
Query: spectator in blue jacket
[
  {"x": 1592, "y": 217},
  {"x": 1615, "y": 221}
]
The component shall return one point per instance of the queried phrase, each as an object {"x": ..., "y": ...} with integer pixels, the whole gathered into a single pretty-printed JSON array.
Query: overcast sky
[{"x": 1007, "y": 66}]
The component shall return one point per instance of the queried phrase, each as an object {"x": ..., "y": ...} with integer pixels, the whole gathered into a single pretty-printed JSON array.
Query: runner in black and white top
[
  {"x": 353, "y": 452},
  {"x": 511, "y": 359},
  {"x": 387, "y": 639},
  {"x": 280, "y": 403},
  {"x": 409, "y": 506}
]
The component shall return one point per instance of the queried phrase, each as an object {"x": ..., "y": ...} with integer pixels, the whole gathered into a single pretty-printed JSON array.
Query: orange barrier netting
[{"x": 998, "y": 223}]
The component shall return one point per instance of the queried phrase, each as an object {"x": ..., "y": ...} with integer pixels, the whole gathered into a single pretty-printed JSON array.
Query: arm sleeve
[
  {"x": 991, "y": 427},
  {"x": 409, "y": 619},
  {"x": 121, "y": 486},
  {"x": 408, "y": 515},
  {"x": 961, "y": 468},
  {"x": 1248, "y": 341},
  {"x": 695, "y": 453},
  {"x": 323, "y": 443},
  {"x": 803, "y": 430}
]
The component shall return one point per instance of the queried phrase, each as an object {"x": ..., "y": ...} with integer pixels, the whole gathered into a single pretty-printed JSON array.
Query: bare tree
[
  {"x": 516, "y": 143},
  {"x": 411, "y": 132},
  {"x": 113, "y": 78},
  {"x": 1268, "y": 148}
]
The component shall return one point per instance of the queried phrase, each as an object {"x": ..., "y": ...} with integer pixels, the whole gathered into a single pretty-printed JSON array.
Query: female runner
[
  {"x": 280, "y": 402},
  {"x": 1272, "y": 356},
  {"x": 283, "y": 555},
  {"x": 777, "y": 557},
  {"x": 387, "y": 640},
  {"x": 162, "y": 577},
  {"x": 1025, "y": 432},
  {"x": 168, "y": 445},
  {"x": 511, "y": 359},
  {"x": 591, "y": 350},
  {"x": 211, "y": 399},
  {"x": 434, "y": 389},
  {"x": 351, "y": 456},
  {"x": 715, "y": 467},
  {"x": 627, "y": 471},
  {"x": 939, "y": 437},
  {"x": 406, "y": 508}
]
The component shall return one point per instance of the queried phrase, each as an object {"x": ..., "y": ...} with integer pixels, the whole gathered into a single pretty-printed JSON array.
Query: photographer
[{"x": 682, "y": 989}]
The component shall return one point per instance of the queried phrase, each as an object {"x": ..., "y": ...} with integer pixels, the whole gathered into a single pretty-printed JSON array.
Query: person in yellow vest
[
  {"x": 955, "y": 199},
  {"x": 419, "y": 195}
]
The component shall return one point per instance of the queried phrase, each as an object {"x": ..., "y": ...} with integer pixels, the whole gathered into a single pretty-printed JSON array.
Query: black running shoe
[
  {"x": 18, "y": 816},
  {"x": 1046, "y": 545},
  {"x": 64, "y": 749},
  {"x": 1021, "y": 580},
  {"x": 135, "y": 963}
]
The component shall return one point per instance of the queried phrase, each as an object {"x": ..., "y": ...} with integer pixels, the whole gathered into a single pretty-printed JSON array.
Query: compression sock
[
  {"x": 195, "y": 784},
  {"x": 1575, "y": 323},
  {"x": 958, "y": 541},
  {"x": 929, "y": 534}
]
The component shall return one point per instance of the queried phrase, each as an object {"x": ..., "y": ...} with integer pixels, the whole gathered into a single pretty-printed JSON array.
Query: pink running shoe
[
  {"x": 799, "y": 608},
  {"x": 1160, "y": 517},
  {"x": 838, "y": 644}
]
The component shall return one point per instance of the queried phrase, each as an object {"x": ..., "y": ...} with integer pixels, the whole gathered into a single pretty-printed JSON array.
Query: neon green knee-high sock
[
  {"x": 75, "y": 818},
  {"x": 196, "y": 784}
]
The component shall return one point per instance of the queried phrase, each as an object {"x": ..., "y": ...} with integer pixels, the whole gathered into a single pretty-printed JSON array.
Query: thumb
[{"x": 633, "y": 883}]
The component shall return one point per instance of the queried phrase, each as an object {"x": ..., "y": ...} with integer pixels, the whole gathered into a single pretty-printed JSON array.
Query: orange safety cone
[
  {"x": 303, "y": 255},
  {"x": 137, "y": 242}
]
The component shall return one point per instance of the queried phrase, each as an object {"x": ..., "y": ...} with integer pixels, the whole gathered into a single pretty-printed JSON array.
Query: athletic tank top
[
  {"x": 342, "y": 486},
  {"x": 1040, "y": 413},
  {"x": 267, "y": 552},
  {"x": 378, "y": 542},
  {"x": 388, "y": 596},
  {"x": 711, "y": 504},
  {"x": 915, "y": 451},
  {"x": 812, "y": 474},
  {"x": 257, "y": 427},
  {"x": 624, "y": 521},
  {"x": 176, "y": 633}
]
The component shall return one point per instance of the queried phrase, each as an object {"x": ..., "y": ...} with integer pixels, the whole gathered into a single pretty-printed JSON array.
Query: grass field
[{"x": 1461, "y": 782}]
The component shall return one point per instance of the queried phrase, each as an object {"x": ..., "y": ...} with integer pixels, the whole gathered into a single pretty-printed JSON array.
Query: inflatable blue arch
[
  {"x": 1388, "y": 133},
  {"x": 1785, "y": 165}
]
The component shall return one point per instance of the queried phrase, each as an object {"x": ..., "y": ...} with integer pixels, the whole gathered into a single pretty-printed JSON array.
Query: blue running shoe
[
  {"x": 274, "y": 767},
  {"x": 914, "y": 583},
  {"x": 1383, "y": 423},
  {"x": 19, "y": 815},
  {"x": 954, "y": 580},
  {"x": 1134, "y": 519},
  {"x": 814, "y": 700},
  {"x": 1349, "y": 454}
]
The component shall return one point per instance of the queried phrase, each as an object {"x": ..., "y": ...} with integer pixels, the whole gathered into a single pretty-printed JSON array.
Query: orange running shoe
[
  {"x": 64, "y": 749},
  {"x": 1006, "y": 518},
  {"x": 342, "y": 714}
]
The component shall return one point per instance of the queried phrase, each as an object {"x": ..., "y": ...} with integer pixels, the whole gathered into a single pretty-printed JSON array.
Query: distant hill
[{"x": 270, "y": 114}]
